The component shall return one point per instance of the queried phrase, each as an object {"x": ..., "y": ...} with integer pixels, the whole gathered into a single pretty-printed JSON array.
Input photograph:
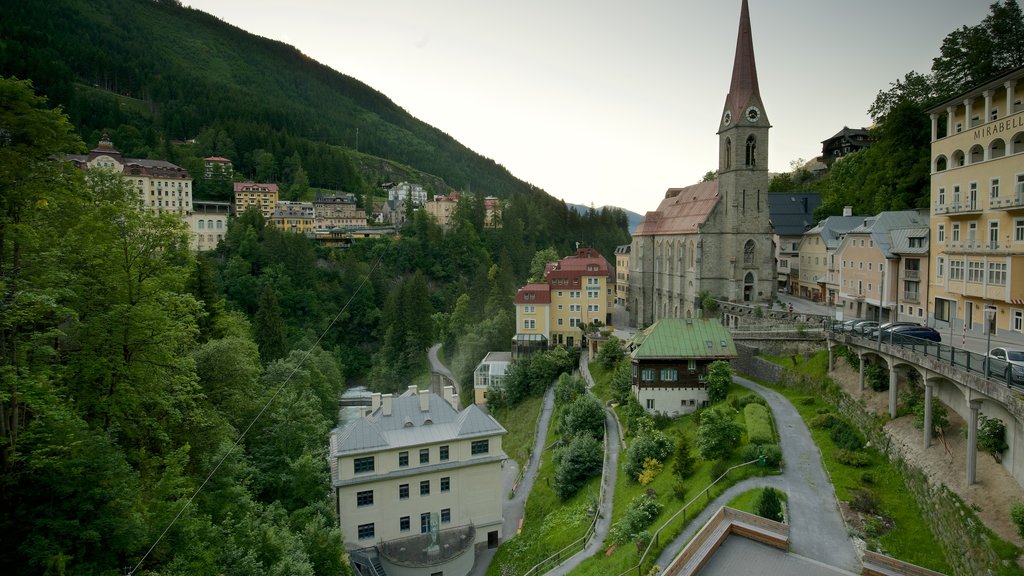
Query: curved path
[
  {"x": 435, "y": 362},
  {"x": 816, "y": 528},
  {"x": 604, "y": 519}
]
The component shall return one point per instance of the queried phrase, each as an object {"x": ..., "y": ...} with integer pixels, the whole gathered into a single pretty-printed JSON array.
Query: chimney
[
  {"x": 451, "y": 397},
  {"x": 847, "y": 210},
  {"x": 386, "y": 403},
  {"x": 413, "y": 390},
  {"x": 374, "y": 401},
  {"x": 424, "y": 400}
]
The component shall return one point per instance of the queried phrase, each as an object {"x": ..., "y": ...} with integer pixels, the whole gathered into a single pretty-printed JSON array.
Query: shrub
[
  {"x": 759, "y": 424},
  {"x": 876, "y": 377},
  {"x": 850, "y": 458},
  {"x": 845, "y": 435},
  {"x": 825, "y": 420},
  {"x": 865, "y": 501},
  {"x": 1017, "y": 515},
  {"x": 651, "y": 469},
  {"x": 718, "y": 467},
  {"x": 867, "y": 478},
  {"x": 583, "y": 416},
  {"x": 769, "y": 505},
  {"x": 683, "y": 466},
  {"x": 580, "y": 460},
  {"x": 610, "y": 353},
  {"x": 717, "y": 435},
  {"x": 641, "y": 511},
  {"x": 808, "y": 400},
  {"x": 679, "y": 491},
  {"x": 568, "y": 387},
  {"x": 992, "y": 437},
  {"x": 718, "y": 380},
  {"x": 772, "y": 455},
  {"x": 741, "y": 402},
  {"x": 652, "y": 444}
]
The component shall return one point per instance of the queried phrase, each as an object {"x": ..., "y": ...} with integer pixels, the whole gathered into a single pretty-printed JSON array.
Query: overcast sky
[{"x": 613, "y": 102}]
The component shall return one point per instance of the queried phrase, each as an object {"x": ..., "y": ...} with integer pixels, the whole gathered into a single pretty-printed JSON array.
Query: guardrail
[{"x": 973, "y": 362}]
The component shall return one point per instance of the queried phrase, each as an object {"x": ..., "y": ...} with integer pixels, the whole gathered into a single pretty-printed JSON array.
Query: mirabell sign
[{"x": 999, "y": 127}]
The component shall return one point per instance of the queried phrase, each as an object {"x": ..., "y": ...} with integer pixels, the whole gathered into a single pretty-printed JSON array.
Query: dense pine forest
[{"x": 131, "y": 369}]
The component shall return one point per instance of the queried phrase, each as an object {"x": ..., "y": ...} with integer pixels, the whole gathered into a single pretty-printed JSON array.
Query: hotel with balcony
[{"x": 977, "y": 204}]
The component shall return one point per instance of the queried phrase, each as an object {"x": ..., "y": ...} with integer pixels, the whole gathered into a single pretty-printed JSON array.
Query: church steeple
[{"x": 743, "y": 90}]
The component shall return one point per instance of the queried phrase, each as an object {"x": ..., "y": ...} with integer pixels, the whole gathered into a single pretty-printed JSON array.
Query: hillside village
[{"x": 654, "y": 406}]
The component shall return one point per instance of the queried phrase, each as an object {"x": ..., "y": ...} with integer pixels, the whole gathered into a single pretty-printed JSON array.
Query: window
[
  {"x": 956, "y": 195},
  {"x": 972, "y": 231},
  {"x": 647, "y": 374},
  {"x": 479, "y": 447},
  {"x": 1018, "y": 320},
  {"x": 425, "y": 488},
  {"x": 443, "y": 453},
  {"x": 993, "y": 233},
  {"x": 691, "y": 364},
  {"x": 956, "y": 232},
  {"x": 574, "y": 322},
  {"x": 364, "y": 464},
  {"x": 997, "y": 273},
  {"x": 956, "y": 269},
  {"x": 424, "y": 455},
  {"x": 424, "y": 522},
  {"x": 365, "y": 531},
  {"x": 403, "y": 459},
  {"x": 650, "y": 403},
  {"x": 1018, "y": 230},
  {"x": 916, "y": 242},
  {"x": 669, "y": 374},
  {"x": 446, "y": 484},
  {"x": 941, "y": 231},
  {"x": 593, "y": 307},
  {"x": 560, "y": 321},
  {"x": 403, "y": 524},
  {"x": 446, "y": 515},
  {"x": 364, "y": 498},
  {"x": 993, "y": 188},
  {"x": 869, "y": 266},
  {"x": 942, "y": 196},
  {"x": 575, "y": 307},
  {"x": 593, "y": 293},
  {"x": 942, "y": 309},
  {"x": 975, "y": 271},
  {"x": 940, "y": 267},
  {"x": 574, "y": 294},
  {"x": 403, "y": 492},
  {"x": 1019, "y": 188},
  {"x": 591, "y": 281},
  {"x": 529, "y": 309}
]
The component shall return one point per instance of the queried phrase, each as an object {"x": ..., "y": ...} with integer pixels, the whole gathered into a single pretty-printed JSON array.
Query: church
[{"x": 713, "y": 236}]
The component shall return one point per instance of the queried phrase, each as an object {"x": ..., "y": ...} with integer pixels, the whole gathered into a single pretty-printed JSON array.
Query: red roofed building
[
  {"x": 576, "y": 290},
  {"x": 712, "y": 236}
]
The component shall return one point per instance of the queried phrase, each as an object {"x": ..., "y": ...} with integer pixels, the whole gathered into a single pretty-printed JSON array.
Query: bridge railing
[{"x": 973, "y": 362}]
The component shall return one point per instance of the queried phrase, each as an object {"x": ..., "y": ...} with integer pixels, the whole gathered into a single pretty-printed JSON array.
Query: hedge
[{"x": 759, "y": 424}]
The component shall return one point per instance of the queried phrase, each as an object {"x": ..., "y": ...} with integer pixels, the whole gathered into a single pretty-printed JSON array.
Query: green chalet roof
[{"x": 683, "y": 338}]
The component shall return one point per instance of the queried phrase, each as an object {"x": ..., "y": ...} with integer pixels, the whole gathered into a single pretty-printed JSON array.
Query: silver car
[{"x": 1012, "y": 360}]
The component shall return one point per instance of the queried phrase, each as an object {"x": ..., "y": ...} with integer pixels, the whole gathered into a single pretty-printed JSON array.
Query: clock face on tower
[
  {"x": 727, "y": 118},
  {"x": 753, "y": 113}
]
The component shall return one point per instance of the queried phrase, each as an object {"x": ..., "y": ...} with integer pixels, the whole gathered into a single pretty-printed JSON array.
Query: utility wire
[{"x": 264, "y": 409}]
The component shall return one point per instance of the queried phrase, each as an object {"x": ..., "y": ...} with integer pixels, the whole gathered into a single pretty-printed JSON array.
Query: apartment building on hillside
[
  {"x": 255, "y": 194},
  {"x": 418, "y": 483},
  {"x": 976, "y": 279}
]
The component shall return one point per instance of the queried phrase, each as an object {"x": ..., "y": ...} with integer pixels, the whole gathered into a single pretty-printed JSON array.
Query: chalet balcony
[{"x": 912, "y": 297}]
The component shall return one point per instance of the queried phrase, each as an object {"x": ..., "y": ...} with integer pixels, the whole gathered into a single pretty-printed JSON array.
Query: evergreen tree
[
  {"x": 268, "y": 326},
  {"x": 769, "y": 506}
]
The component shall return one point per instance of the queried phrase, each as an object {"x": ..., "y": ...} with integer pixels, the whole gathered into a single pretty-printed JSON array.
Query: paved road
[
  {"x": 817, "y": 530},
  {"x": 435, "y": 362},
  {"x": 604, "y": 521}
]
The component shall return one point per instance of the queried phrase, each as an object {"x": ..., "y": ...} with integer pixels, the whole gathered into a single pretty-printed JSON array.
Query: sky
[{"x": 613, "y": 102}]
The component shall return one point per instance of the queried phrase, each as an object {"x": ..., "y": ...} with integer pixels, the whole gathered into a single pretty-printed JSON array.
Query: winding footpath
[{"x": 816, "y": 527}]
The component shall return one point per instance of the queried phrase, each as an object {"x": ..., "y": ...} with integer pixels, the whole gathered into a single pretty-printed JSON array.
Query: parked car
[
  {"x": 884, "y": 328},
  {"x": 864, "y": 327},
  {"x": 1011, "y": 362},
  {"x": 911, "y": 334}
]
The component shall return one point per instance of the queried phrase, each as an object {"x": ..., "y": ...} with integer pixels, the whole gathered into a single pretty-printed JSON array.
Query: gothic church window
[
  {"x": 728, "y": 153},
  {"x": 748, "y": 252},
  {"x": 751, "y": 150}
]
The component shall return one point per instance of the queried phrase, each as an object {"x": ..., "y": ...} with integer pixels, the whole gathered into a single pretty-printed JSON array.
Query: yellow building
[
  {"x": 161, "y": 186},
  {"x": 977, "y": 203},
  {"x": 298, "y": 217},
  {"x": 442, "y": 208},
  {"x": 622, "y": 274},
  {"x": 576, "y": 290},
  {"x": 883, "y": 268},
  {"x": 418, "y": 483},
  {"x": 262, "y": 196}
]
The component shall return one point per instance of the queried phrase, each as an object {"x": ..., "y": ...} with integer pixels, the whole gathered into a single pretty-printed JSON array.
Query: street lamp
[{"x": 990, "y": 314}]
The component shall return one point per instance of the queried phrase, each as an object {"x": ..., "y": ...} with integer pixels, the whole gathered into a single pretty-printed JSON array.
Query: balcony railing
[
  {"x": 911, "y": 274},
  {"x": 912, "y": 297},
  {"x": 1009, "y": 203}
]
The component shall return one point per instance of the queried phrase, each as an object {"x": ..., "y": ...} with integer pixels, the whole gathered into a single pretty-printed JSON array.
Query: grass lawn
[
  {"x": 521, "y": 423},
  {"x": 550, "y": 524},
  {"x": 908, "y": 536},
  {"x": 747, "y": 502},
  {"x": 626, "y": 556}
]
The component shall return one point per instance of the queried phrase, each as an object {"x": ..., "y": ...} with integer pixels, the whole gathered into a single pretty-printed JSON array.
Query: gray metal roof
[
  {"x": 792, "y": 213},
  {"x": 831, "y": 229},
  {"x": 408, "y": 425},
  {"x": 881, "y": 227}
]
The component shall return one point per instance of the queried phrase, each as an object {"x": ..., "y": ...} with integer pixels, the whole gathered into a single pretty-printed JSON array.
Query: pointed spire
[{"x": 744, "y": 89}]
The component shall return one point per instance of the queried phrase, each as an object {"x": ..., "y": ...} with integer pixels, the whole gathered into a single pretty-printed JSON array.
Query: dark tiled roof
[{"x": 792, "y": 214}]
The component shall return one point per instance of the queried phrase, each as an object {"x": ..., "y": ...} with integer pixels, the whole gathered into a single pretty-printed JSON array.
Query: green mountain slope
[{"x": 154, "y": 71}]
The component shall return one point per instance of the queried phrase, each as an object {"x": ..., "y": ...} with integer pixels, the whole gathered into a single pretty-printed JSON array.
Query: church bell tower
[{"x": 743, "y": 177}]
